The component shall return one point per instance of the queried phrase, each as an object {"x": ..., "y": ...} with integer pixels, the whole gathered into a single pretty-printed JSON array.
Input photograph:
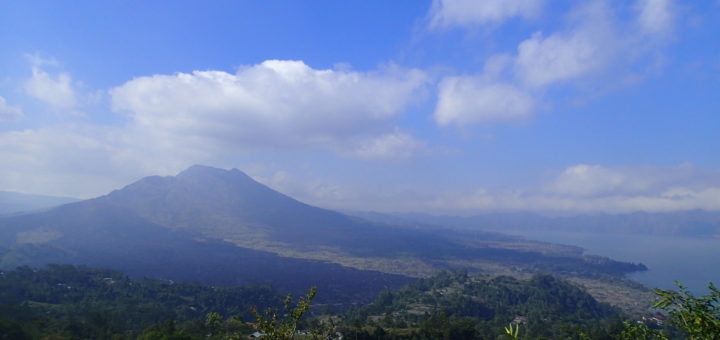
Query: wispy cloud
[
  {"x": 656, "y": 16},
  {"x": 593, "y": 45},
  {"x": 469, "y": 13},
  {"x": 56, "y": 91},
  {"x": 467, "y": 100},
  {"x": 9, "y": 113}
]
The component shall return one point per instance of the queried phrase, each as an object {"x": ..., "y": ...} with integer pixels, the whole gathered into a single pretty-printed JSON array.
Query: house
[
  {"x": 256, "y": 335},
  {"x": 520, "y": 320},
  {"x": 657, "y": 319}
]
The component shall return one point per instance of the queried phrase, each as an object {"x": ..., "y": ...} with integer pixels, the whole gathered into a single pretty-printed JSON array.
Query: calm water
[{"x": 692, "y": 261}]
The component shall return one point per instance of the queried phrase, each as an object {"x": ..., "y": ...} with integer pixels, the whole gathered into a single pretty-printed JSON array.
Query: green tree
[
  {"x": 282, "y": 327},
  {"x": 513, "y": 331},
  {"x": 698, "y": 317},
  {"x": 213, "y": 322}
]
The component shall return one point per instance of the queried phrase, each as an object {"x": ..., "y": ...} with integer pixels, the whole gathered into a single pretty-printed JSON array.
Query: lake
[{"x": 692, "y": 261}]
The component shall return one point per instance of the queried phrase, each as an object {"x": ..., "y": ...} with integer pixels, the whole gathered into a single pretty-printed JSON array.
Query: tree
[
  {"x": 283, "y": 327},
  {"x": 698, "y": 317},
  {"x": 213, "y": 321},
  {"x": 513, "y": 332}
]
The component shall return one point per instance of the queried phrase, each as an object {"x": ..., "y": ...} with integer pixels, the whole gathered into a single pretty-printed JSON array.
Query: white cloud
[
  {"x": 88, "y": 160},
  {"x": 213, "y": 117},
  {"x": 51, "y": 160},
  {"x": 449, "y": 13},
  {"x": 37, "y": 60},
  {"x": 396, "y": 145},
  {"x": 57, "y": 91},
  {"x": 594, "y": 180},
  {"x": 655, "y": 16},
  {"x": 543, "y": 61},
  {"x": 594, "y": 47},
  {"x": 9, "y": 113},
  {"x": 306, "y": 188},
  {"x": 587, "y": 180},
  {"x": 278, "y": 103},
  {"x": 465, "y": 100},
  {"x": 586, "y": 46},
  {"x": 596, "y": 189},
  {"x": 578, "y": 189}
]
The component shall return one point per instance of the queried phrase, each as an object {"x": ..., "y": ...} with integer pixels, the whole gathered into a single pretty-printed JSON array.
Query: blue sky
[{"x": 451, "y": 106}]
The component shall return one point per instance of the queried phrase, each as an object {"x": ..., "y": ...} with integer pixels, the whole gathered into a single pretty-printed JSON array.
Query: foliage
[
  {"x": 697, "y": 317},
  {"x": 639, "y": 331},
  {"x": 513, "y": 331},
  {"x": 283, "y": 327}
]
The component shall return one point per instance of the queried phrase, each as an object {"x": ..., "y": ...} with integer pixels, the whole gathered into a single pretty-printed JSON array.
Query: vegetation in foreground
[{"x": 67, "y": 302}]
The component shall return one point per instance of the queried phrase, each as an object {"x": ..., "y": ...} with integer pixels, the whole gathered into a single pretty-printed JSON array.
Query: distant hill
[
  {"x": 13, "y": 202},
  {"x": 694, "y": 223},
  {"x": 222, "y": 227}
]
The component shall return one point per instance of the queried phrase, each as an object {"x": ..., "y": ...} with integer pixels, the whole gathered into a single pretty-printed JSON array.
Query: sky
[{"x": 444, "y": 106}]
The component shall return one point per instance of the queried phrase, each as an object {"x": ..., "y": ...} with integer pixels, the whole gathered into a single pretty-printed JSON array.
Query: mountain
[
  {"x": 13, "y": 202},
  {"x": 222, "y": 227}
]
